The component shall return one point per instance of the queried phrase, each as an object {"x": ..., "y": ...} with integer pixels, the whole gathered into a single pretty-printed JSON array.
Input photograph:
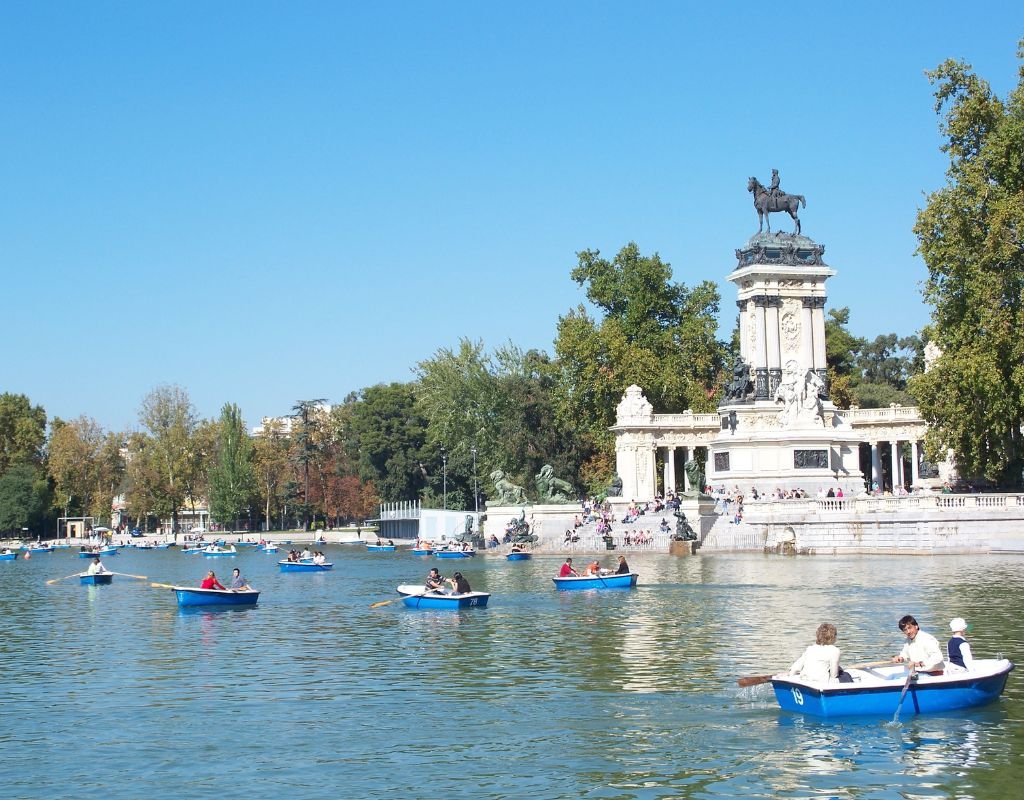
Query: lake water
[{"x": 113, "y": 691}]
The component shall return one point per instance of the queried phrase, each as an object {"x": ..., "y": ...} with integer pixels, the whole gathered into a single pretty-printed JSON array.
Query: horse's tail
[{"x": 802, "y": 201}]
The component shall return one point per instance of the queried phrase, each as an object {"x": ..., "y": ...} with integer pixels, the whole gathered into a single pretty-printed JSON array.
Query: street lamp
[
  {"x": 444, "y": 478},
  {"x": 476, "y": 494}
]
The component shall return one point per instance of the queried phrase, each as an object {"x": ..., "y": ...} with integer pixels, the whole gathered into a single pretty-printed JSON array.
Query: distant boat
[
  {"x": 189, "y": 596},
  {"x": 455, "y": 553},
  {"x": 11, "y": 556},
  {"x": 38, "y": 548},
  {"x": 381, "y": 548},
  {"x": 518, "y": 555},
  {"x": 96, "y": 579},
  {"x": 219, "y": 550},
  {"x": 877, "y": 691},
  {"x": 267, "y": 548},
  {"x": 102, "y": 551},
  {"x": 623, "y": 581},
  {"x": 303, "y": 566},
  {"x": 422, "y": 551},
  {"x": 419, "y": 597}
]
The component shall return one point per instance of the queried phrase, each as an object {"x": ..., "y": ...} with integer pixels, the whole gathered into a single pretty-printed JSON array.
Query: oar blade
[
  {"x": 380, "y": 603},
  {"x": 754, "y": 680},
  {"x": 161, "y": 586}
]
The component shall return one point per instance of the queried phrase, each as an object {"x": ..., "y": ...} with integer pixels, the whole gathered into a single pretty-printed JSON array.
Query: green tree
[
  {"x": 650, "y": 331},
  {"x": 162, "y": 466},
  {"x": 308, "y": 418},
  {"x": 232, "y": 480},
  {"x": 971, "y": 237},
  {"x": 22, "y": 431},
  {"x": 85, "y": 465},
  {"x": 271, "y": 466},
  {"x": 24, "y": 497}
]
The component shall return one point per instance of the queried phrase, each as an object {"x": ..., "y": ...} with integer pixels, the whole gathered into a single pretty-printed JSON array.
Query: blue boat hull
[
  {"x": 957, "y": 691},
  {"x": 298, "y": 566},
  {"x": 214, "y": 597},
  {"x": 381, "y": 548},
  {"x": 86, "y": 554},
  {"x": 518, "y": 556},
  {"x": 416, "y": 551},
  {"x": 447, "y": 601},
  {"x": 99, "y": 579},
  {"x": 215, "y": 555},
  {"x": 8, "y": 556},
  {"x": 454, "y": 553},
  {"x": 597, "y": 582}
]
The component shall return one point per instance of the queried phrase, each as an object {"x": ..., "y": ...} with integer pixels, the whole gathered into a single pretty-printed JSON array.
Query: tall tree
[
  {"x": 24, "y": 496},
  {"x": 386, "y": 439},
  {"x": 164, "y": 465},
  {"x": 85, "y": 464},
  {"x": 232, "y": 480},
  {"x": 650, "y": 330},
  {"x": 271, "y": 466},
  {"x": 971, "y": 236},
  {"x": 22, "y": 431},
  {"x": 307, "y": 416}
]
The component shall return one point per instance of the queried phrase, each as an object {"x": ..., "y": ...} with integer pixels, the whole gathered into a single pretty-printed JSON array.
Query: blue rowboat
[
  {"x": 303, "y": 566},
  {"x": 105, "y": 551},
  {"x": 39, "y": 549},
  {"x": 455, "y": 553},
  {"x": 876, "y": 692},
  {"x": 98, "y": 579},
  {"x": 189, "y": 596},
  {"x": 8, "y": 556},
  {"x": 518, "y": 556},
  {"x": 219, "y": 551},
  {"x": 268, "y": 548},
  {"x": 381, "y": 548},
  {"x": 447, "y": 601},
  {"x": 421, "y": 551},
  {"x": 624, "y": 581}
]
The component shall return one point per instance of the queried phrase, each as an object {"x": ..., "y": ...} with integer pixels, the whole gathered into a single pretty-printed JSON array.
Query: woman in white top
[{"x": 820, "y": 661}]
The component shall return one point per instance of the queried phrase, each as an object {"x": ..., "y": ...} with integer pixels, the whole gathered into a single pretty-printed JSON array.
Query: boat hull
[
  {"x": 446, "y": 601},
  {"x": 8, "y": 556},
  {"x": 381, "y": 548},
  {"x": 86, "y": 554},
  {"x": 99, "y": 579},
  {"x": 299, "y": 566},
  {"x": 215, "y": 553},
  {"x": 877, "y": 692},
  {"x": 454, "y": 553},
  {"x": 518, "y": 557},
  {"x": 419, "y": 551},
  {"x": 625, "y": 581},
  {"x": 189, "y": 596}
]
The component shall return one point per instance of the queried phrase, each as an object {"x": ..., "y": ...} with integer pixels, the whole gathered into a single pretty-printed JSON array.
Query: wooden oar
[
  {"x": 127, "y": 575},
  {"x": 161, "y": 586},
  {"x": 380, "y": 603},
  {"x": 55, "y": 580},
  {"x": 755, "y": 680},
  {"x": 911, "y": 677}
]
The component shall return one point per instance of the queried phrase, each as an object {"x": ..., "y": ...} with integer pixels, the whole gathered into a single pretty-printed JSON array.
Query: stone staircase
[{"x": 725, "y": 536}]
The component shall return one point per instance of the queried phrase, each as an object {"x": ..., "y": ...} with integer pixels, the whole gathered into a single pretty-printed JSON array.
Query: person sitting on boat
[
  {"x": 210, "y": 581},
  {"x": 959, "y": 651},
  {"x": 623, "y": 568},
  {"x": 567, "y": 571},
  {"x": 516, "y": 548},
  {"x": 820, "y": 661},
  {"x": 922, "y": 650},
  {"x": 238, "y": 582},
  {"x": 306, "y": 554},
  {"x": 435, "y": 581},
  {"x": 319, "y": 558},
  {"x": 459, "y": 584},
  {"x": 293, "y": 555},
  {"x": 593, "y": 569},
  {"x": 96, "y": 567}
]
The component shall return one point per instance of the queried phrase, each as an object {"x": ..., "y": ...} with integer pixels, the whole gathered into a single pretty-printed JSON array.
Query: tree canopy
[{"x": 971, "y": 237}]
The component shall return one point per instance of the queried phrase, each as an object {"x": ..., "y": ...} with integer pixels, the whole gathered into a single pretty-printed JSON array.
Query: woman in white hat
[{"x": 957, "y": 648}]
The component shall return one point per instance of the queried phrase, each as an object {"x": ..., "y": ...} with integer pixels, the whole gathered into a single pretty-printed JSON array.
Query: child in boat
[{"x": 959, "y": 651}]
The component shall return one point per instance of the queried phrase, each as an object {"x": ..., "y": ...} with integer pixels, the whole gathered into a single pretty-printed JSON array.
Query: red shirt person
[
  {"x": 210, "y": 582},
  {"x": 567, "y": 571}
]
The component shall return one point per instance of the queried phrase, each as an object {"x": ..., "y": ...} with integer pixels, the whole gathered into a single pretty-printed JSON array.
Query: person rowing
[
  {"x": 211, "y": 582},
  {"x": 238, "y": 583},
  {"x": 96, "y": 567},
  {"x": 435, "y": 581}
]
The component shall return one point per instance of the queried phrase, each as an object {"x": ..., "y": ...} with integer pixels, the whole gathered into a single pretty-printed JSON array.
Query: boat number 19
[{"x": 798, "y": 696}]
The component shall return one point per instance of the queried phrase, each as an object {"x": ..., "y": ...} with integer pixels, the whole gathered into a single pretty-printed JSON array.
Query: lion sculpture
[
  {"x": 508, "y": 493},
  {"x": 551, "y": 489}
]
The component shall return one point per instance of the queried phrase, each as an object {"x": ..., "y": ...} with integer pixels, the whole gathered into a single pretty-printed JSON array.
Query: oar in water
[
  {"x": 380, "y": 603},
  {"x": 55, "y": 580},
  {"x": 755, "y": 680},
  {"x": 911, "y": 677},
  {"x": 161, "y": 586},
  {"x": 127, "y": 575}
]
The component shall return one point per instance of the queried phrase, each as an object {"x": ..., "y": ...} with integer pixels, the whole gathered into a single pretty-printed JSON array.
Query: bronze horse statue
[{"x": 765, "y": 204}]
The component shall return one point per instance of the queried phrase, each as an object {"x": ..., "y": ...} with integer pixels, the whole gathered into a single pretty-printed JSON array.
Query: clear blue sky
[{"x": 265, "y": 202}]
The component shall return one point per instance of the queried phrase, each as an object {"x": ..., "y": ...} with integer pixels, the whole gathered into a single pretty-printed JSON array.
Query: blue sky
[{"x": 265, "y": 202}]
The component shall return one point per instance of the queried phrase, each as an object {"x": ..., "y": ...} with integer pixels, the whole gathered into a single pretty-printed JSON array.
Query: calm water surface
[{"x": 623, "y": 694}]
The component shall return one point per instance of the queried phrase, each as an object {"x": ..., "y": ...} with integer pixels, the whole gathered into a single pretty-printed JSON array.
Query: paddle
[
  {"x": 911, "y": 677},
  {"x": 755, "y": 680},
  {"x": 127, "y": 575},
  {"x": 380, "y": 603},
  {"x": 161, "y": 586},
  {"x": 55, "y": 580}
]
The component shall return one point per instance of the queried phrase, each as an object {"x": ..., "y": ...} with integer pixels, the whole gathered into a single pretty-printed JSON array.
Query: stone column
[
  {"x": 807, "y": 332},
  {"x": 818, "y": 327},
  {"x": 915, "y": 468},
  {"x": 771, "y": 322},
  {"x": 894, "y": 463},
  {"x": 664, "y": 470},
  {"x": 761, "y": 356},
  {"x": 686, "y": 478},
  {"x": 741, "y": 309},
  {"x": 876, "y": 465},
  {"x": 670, "y": 486}
]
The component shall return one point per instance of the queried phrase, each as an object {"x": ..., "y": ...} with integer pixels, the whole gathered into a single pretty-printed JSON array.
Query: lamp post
[
  {"x": 444, "y": 478},
  {"x": 476, "y": 494}
]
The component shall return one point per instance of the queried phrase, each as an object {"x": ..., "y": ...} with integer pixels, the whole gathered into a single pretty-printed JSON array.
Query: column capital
[{"x": 814, "y": 302}]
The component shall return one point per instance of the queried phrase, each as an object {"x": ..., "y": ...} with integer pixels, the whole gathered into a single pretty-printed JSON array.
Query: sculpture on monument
[
  {"x": 694, "y": 470},
  {"x": 770, "y": 201},
  {"x": 551, "y": 489},
  {"x": 684, "y": 533},
  {"x": 508, "y": 493},
  {"x": 615, "y": 488},
  {"x": 741, "y": 387},
  {"x": 800, "y": 392}
]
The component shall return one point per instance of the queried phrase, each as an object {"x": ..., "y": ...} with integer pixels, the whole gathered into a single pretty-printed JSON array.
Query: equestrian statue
[{"x": 771, "y": 200}]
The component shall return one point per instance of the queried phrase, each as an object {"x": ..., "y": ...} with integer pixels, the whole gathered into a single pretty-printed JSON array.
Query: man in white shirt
[{"x": 922, "y": 650}]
